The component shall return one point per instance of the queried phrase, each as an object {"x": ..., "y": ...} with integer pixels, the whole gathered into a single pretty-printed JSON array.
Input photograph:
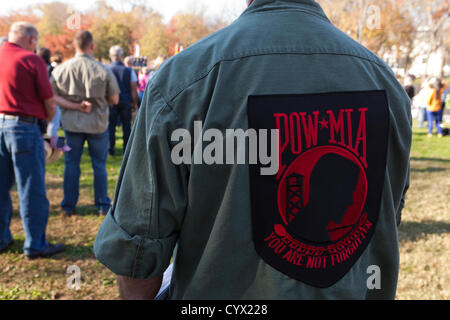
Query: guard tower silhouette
[{"x": 294, "y": 187}]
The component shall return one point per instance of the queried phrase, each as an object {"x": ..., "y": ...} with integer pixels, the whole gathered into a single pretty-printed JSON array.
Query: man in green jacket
[{"x": 275, "y": 155}]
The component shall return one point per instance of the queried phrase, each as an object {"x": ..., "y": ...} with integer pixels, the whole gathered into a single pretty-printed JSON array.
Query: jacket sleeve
[
  {"x": 403, "y": 199},
  {"x": 139, "y": 233}
]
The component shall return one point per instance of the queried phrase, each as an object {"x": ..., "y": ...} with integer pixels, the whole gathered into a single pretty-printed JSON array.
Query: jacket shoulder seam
[{"x": 261, "y": 52}]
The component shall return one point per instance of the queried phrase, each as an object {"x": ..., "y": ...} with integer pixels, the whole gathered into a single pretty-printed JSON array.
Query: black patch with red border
[{"x": 314, "y": 219}]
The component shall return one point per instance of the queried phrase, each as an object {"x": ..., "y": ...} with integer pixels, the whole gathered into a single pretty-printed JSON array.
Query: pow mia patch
[{"x": 314, "y": 219}]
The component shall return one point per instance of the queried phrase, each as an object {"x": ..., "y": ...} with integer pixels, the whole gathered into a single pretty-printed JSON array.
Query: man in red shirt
[{"x": 26, "y": 101}]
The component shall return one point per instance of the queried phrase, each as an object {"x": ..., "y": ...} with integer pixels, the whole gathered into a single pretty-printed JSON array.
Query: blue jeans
[
  {"x": 124, "y": 111},
  {"x": 436, "y": 116},
  {"x": 140, "y": 97},
  {"x": 422, "y": 116},
  {"x": 22, "y": 158},
  {"x": 98, "y": 150}
]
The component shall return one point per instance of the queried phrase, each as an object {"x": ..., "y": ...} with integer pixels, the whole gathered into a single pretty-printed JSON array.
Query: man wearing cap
[
  {"x": 299, "y": 96},
  {"x": 26, "y": 102},
  {"x": 83, "y": 78},
  {"x": 128, "y": 98}
]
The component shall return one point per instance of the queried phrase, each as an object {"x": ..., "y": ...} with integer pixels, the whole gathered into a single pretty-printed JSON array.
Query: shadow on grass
[
  {"x": 431, "y": 159},
  {"x": 429, "y": 169},
  {"x": 59, "y": 185},
  {"x": 413, "y": 231},
  {"x": 420, "y": 133},
  {"x": 86, "y": 210},
  {"x": 16, "y": 247},
  {"x": 72, "y": 252},
  {"x": 82, "y": 211},
  {"x": 54, "y": 185}
]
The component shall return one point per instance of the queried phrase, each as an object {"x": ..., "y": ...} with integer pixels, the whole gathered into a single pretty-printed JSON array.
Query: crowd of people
[
  {"x": 90, "y": 101},
  {"x": 160, "y": 204},
  {"x": 431, "y": 101},
  {"x": 40, "y": 93}
]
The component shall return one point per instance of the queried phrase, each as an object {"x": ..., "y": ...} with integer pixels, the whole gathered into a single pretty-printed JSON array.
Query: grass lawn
[
  {"x": 47, "y": 278},
  {"x": 424, "y": 234},
  {"x": 425, "y": 230}
]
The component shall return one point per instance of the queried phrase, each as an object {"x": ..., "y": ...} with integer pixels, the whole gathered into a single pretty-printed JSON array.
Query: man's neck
[
  {"x": 18, "y": 43},
  {"x": 80, "y": 52}
]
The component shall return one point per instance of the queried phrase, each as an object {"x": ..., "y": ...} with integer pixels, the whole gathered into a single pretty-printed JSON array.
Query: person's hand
[
  {"x": 85, "y": 106},
  {"x": 134, "y": 107}
]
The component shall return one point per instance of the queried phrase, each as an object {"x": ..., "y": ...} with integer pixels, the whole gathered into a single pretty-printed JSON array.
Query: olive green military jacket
[{"x": 288, "y": 51}]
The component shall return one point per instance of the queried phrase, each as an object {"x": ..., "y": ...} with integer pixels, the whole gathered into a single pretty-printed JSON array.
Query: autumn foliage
[
  {"x": 401, "y": 29},
  {"x": 141, "y": 26},
  {"x": 387, "y": 27}
]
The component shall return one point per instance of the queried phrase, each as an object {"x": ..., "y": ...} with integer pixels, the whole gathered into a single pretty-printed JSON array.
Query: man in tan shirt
[{"x": 83, "y": 78}]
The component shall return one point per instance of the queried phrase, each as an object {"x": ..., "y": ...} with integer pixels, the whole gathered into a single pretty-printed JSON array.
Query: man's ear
[{"x": 31, "y": 43}]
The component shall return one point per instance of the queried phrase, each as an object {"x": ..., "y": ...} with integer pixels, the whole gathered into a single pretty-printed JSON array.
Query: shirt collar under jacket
[
  {"x": 84, "y": 55},
  {"x": 117, "y": 63},
  {"x": 302, "y": 5},
  {"x": 11, "y": 45}
]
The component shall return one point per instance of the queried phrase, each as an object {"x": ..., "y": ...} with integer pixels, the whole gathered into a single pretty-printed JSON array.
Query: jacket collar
[
  {"x": 117, "y": 63},
  {"x": 12, "y": 45},
  {"x": 84, "y": 55},
  {"x": 304, "y": 5}
]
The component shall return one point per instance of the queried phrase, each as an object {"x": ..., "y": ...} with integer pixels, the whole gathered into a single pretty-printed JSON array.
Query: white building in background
[
  {"x": 427, "y": 61},
  {"x": 424, "y": 63},
  {"x": 137, "y": 50},
  {"x": 429, "y": 65}
]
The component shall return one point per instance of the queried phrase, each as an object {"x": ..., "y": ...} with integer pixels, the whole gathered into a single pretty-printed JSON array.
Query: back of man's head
[
  {"x": 116, "y": 53},
  {"x": 45, "y": 54},
  {"x": 128, "y": 61},
  {"x": 57, "y": 58},
  {"x": 23, "y": 34},
  {"x": 83, "y": 40}
]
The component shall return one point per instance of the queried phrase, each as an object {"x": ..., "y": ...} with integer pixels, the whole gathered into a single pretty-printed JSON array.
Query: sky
[{"x": 167, "y": 8}]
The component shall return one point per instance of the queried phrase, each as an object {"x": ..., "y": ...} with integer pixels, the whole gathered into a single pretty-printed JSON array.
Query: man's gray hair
[
  {"x": 128, "y": 61},
  {"x": 116, "y": 51},
  {"x": 22, "y": 29}
]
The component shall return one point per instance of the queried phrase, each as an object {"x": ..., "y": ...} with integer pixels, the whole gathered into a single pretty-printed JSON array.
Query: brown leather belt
[{"x": 30, "y": 120}]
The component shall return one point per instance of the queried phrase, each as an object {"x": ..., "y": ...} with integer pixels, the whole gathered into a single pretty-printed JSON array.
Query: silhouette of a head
[{"x": 332, "y": 183}]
